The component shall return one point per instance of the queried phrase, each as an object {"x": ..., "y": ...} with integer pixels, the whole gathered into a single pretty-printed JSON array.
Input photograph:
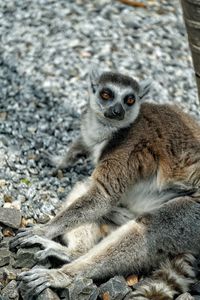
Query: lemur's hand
[
  {"x": 24, "y": 234},
  {"x": 37, "y": 280}
]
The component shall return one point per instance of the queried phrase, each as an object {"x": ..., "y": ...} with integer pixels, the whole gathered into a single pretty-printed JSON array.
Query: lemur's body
[{"x": 147, "y": 179}]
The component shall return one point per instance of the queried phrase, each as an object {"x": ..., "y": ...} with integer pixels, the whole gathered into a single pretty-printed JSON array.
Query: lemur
[{"x": 145, "y": 186}]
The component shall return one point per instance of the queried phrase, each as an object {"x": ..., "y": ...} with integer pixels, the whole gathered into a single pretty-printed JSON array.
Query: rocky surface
[{"x": 45, "y": 52}]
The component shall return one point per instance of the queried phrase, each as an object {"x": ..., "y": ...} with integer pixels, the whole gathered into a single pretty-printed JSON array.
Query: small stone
[
  {"x": 7, "y": 232},
  {"x": 3, "y": 115},
  {"x": 7, "y": 198},
  {"x": 132, "y": 280},
  {"x": 61, "y": 190},
  {"x": 5, "y": 255},
  {"x": 10, "y": 217},
  {"x": 25, "y": 222},
  {"x": 14, "y": 205},
  {"x": 80, "y": 289},
  {"x": 60, "y": 174},
  {"x": 2, "y": 183},
  {"x": 10, "y": 291},
  {"x": 48, "y": 294},
  {"x": 116, "y": 288},
  {"x": 106, "y": 296},
  {"x": 5, "y": 242},
  {"x": 43, "y": 219},
  {"x": 21, "y": 198},
  {"x": 7, "y": 274},
  {"x": 25, "y": 257}
]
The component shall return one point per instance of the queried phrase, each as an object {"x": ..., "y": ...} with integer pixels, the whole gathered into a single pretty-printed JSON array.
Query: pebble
[
  {"x": 10, "y": 292},
  {"x": 10, "y": 217},
  {"x": 116, "y": 288},
  {"x": 4, "y": 257}
]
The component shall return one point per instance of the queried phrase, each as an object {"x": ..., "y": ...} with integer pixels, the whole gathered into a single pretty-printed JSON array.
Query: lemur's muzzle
[{"x": 115, "y": 112}]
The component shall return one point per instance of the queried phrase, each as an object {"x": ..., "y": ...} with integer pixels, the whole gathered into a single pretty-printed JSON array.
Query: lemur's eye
[
  {"x": 129, "y": 100},
  {"x": 106, "y": 94}
]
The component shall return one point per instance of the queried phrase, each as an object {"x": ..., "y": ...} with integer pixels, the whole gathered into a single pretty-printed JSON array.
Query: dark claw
[
  {"x": 19, "y": 238},
  {"x": 41, "y": 288},
  {"x": 27, "y": 278}
]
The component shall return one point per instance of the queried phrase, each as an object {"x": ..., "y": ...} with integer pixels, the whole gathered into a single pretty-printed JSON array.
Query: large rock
[
  {"x": 25, "y": 258},
  {"x": 48, "y": 294},
  {"x": 116, "y": 288},
  {"x": 80, "y": 289},
  {"x": 10, "y": 217},
  {"x": 10, "y": 291}
]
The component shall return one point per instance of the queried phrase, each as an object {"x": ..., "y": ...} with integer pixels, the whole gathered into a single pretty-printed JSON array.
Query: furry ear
[
  {"x": 145, "y": 86},
  {"x": 94, "y": 74}
]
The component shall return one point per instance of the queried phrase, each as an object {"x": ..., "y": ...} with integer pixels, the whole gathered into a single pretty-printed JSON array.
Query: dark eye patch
[
  {"x": 129, "y": 99},
  {"x": 106, "y": 94}
]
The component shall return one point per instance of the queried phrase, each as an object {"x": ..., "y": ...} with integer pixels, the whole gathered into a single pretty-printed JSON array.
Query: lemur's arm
[
  {"x": 109, "y": 182},
  {"x": 76, "y": 149},
  {"x": 102, "y": 191}
]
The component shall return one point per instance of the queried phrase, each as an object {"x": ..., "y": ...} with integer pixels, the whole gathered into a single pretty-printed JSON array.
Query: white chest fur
[
  {"x": 145, "y": 196},
  {"x": 97, "y": 150}
]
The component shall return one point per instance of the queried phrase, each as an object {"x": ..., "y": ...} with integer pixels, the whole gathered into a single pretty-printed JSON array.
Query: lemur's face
[{"x": 116, "y": 98}]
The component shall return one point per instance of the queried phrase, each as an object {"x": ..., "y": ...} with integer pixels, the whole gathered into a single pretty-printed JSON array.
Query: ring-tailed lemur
[{"x": 145, "y": 186}]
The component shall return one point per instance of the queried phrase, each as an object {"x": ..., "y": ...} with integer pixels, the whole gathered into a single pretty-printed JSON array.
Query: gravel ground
[{"x": 46, "y": 48}]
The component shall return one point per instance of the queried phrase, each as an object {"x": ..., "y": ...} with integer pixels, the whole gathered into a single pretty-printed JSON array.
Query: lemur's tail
[{"x": 174, "y": 277}]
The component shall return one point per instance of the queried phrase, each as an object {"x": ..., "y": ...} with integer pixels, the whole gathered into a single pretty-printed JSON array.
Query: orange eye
[
  {"x": 106, "y": 95},
  {"x": 129, "y": 100}
]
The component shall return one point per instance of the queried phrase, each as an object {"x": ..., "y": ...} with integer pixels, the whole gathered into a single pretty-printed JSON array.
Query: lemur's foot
[{"x": 39, "y": 279}]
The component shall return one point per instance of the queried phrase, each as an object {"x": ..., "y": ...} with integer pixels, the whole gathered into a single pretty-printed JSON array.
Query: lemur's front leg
[
  {"x": 95, "y": 200},
  {"x": 76, "y": 150},
  {"x": 135, "y": 247},
  {"x": 77, "y": 242}
]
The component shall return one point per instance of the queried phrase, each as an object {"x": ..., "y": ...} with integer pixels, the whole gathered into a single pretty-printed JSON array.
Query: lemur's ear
[
  {"x": 145, "y": 86},
  {"x": 94, "y": 74}
]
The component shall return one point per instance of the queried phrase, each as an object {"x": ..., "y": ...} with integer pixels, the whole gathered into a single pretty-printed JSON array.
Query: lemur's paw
[
  {"x": 39, "y": 279},
  {"x": 56, "y": 161},
  {"x": 26, "y": 236}
]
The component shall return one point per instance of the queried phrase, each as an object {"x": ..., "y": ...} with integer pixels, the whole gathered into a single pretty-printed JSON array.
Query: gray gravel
[{"x": 46, "y": 49}]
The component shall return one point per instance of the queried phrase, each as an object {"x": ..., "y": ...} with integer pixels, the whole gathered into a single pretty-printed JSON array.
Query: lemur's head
[{"x": 116, "y": 98}]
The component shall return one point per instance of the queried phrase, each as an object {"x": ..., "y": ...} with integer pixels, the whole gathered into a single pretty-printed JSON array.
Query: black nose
[
  {"x": 115, "y": 112},
  {"x": 118, "y": 110}
]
